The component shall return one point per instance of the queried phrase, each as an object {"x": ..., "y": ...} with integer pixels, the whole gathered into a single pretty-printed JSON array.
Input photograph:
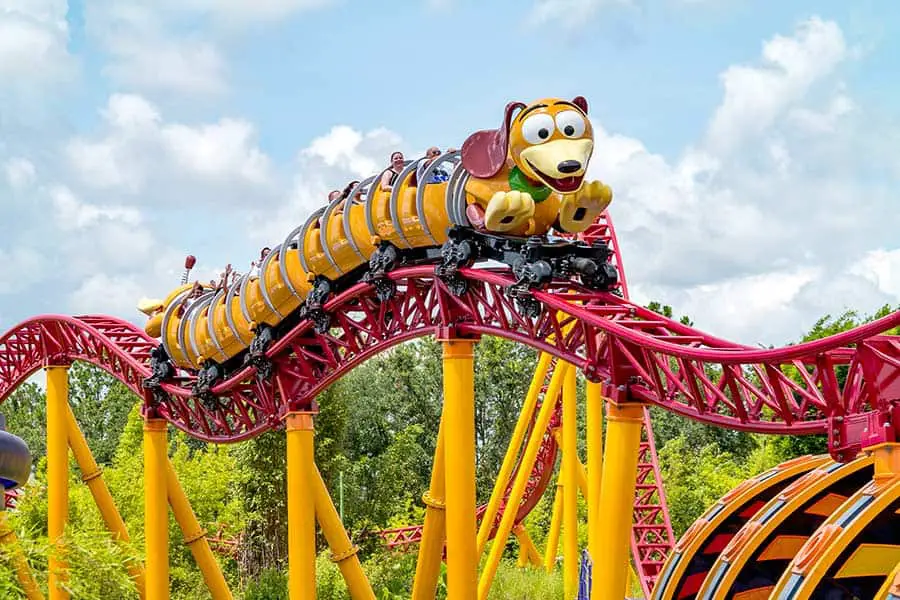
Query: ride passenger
[
  {"x": 438, "y": 175},
  {"x": 339, "y": 209},
  {"x": 345, "y": 193},
  {"x": 389, "y": 176}
]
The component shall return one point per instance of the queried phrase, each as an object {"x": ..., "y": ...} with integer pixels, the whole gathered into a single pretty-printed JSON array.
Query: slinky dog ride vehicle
[{"x": 508, "y": 192}]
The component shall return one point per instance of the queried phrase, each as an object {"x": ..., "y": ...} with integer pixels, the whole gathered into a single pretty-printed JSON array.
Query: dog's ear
[
  {"x": 581, "y": 103},
  {"x": 484, "y": 152}
]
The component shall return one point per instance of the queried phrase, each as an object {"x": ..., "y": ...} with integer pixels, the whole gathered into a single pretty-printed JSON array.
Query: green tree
[
  {"x": 26, "y": 416},
  {"x": 100, "y": 402}
]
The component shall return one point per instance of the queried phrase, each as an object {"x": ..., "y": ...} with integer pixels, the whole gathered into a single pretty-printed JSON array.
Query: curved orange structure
[{"x": 833, "y": 532}]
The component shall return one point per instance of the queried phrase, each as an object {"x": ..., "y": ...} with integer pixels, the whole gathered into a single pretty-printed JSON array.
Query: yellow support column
[
  {"x": 301, "y": 506},
  {"x": 570, "y": 486},
  {"x": 459, "y": 457},
  {"x": 343, "y": 551},
  {"x": 434, "y": 530},
  {"x": 23, "y": 572},
  {"x": 57, "y": 475},
  {"x": 512, "y": 451},
  {"x": 92, "y": 475},
  {"x": 623, "y": 440},
  {"x": 594, "y": 417},
  {"x": 555, "y": 528},
  {"x": 195, "y": 537},
  {"x": 528, "y": 553},
  {"x": 156, "y": 509},
  {"x": 521, "y": 481}
]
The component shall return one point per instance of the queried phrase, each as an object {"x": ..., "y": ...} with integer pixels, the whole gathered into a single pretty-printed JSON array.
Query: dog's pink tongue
[{"x": 568, "y": 183}]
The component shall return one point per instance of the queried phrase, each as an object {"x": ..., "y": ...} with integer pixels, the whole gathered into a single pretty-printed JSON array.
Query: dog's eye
[
  {"x": 570, "y": 123},
  {"x": 537, "y": 129}
]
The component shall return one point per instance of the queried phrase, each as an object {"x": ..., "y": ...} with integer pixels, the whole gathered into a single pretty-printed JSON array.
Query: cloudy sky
[{"x": 753, "y": 147}]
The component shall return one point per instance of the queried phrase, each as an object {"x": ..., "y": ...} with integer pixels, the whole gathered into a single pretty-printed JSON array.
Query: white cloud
[
  {"x": 150, "y": 51},
  {"x": 329, "y": 162},
  {"x": 882, "y": 268},
  {"x": 72, "y": 214},
  {"x": 160, "y": 65},
  {"x": 103, "y": 208},
  {"x": 223, "y": 148},
  {"x": 825, "y": 120},
  {"x": 139, "y": 150},
  {"x": 767, "y": 223},
  {"x": 146, "y": 55},
  {"x": 102, "y": 294},
  {"x": 33, "y": 39},
  {"x": 22, "y": 266},
  {"x": 757, "y": 95},
  {"x": 20, "y": 172}
]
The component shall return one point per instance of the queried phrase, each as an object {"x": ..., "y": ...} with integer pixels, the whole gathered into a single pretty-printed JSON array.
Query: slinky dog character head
[
  {"x": 550, "y": 141},
  {"x": 155, "y": 309}
]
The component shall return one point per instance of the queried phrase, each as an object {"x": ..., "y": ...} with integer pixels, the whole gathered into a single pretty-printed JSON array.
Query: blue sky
[
  {"x": 752, "y": 146},
  {"x": 650, "y": 68}
]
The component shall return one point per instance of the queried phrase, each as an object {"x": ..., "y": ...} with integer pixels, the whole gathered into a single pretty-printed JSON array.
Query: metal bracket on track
[
  {"x": 620, "y": 394},
  {"x": 848, "y": 435},
  {"x": 161, "y": 369}
]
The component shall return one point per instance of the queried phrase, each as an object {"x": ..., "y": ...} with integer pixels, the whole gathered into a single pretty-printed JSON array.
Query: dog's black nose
[{"x": 568, "y": 166}]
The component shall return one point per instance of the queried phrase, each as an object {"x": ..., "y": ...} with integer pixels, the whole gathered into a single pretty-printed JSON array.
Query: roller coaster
[{"x": 512, "y": 243}]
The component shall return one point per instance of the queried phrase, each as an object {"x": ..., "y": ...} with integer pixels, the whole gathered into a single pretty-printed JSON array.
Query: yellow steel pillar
[
  {"x": 623, "y": 440},
  {"x": 156, "y": 509},
  {"x": 594, "y": 417},
  {"x": 512, "y": 451},
  {"x": 195, "y": 537},
  {"x": 528, "y": 553},
  {"x": 570, "y": 486},
  {"x": 521, "y": 480},
  {"x": 434, "y": 530},
  {"x": 57, "y": 475},
  {"x": 92, "y": 475},
  {"x": 343, "y": 551},
  {"x": 555, "y": 527},
  {"x": 301, "y": 506},
  {"x": 23, "y": 572},
  {"x": 459, "y": 457}
]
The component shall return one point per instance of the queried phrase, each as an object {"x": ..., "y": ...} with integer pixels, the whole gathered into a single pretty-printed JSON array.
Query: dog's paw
[
  {"x": 508, "y": 210},
  {"x": 580, "y": 209}
]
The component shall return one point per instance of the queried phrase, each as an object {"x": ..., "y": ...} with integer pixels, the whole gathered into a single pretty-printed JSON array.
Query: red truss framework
[
  {"x": 652, "y": 537},
  {"x": 850, "y": 379}
]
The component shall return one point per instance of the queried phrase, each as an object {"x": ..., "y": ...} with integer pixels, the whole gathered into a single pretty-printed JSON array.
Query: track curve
[{"x": 612, "y": 339}]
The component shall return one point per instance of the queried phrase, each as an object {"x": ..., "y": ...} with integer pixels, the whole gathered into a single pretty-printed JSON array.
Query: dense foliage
[{"x": 375, "y": 440}]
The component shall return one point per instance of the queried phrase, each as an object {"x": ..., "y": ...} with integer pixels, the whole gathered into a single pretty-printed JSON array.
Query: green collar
[{"x": 522, "y": 183}]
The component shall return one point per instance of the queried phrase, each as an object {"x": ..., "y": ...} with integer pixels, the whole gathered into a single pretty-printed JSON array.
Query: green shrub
[
  {"x": 515, "y": 583},
  {"x": 270, "y": 585}
]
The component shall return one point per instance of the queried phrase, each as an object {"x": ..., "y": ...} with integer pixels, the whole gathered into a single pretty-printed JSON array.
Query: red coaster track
[{"x": 846, "y": 385}]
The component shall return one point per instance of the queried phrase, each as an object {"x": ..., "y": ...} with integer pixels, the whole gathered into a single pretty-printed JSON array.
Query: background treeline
[{"x": 375, "y": 435}]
